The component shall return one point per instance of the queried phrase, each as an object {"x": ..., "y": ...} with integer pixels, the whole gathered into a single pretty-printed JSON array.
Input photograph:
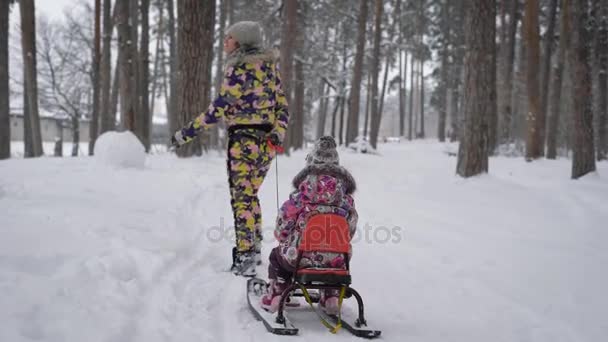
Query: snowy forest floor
[{"x": 91, "y": 253}]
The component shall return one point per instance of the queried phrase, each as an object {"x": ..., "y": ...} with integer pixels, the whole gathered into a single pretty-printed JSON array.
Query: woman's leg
[{"x": 246, "y": 175}]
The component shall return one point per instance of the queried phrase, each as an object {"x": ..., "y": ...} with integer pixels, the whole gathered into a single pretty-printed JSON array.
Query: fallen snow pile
[{"x": 120, "y": 149}]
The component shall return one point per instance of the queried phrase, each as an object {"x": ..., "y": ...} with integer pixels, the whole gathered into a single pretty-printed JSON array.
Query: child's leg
[{"x": 278, "y": 268}]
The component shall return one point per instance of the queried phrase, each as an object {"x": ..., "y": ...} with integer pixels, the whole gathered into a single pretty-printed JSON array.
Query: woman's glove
[{"x": 177, "y": 139}]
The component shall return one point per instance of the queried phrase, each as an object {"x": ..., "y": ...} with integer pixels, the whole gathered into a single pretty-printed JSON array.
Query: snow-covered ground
[{"x": 94, "y": 252}]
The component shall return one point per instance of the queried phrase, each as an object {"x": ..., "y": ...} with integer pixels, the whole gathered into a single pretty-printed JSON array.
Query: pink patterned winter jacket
[{"x": 320, "y": 189}]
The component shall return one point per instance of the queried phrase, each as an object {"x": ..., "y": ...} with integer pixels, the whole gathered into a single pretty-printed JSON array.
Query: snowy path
[{"x": 90, "y": 253}]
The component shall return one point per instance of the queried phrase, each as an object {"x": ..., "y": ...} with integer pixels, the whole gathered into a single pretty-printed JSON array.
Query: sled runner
[{"x": 323, "y": 233}]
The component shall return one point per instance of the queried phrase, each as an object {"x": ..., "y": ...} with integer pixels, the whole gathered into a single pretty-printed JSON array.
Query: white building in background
[
  {"x": 51, "y": 129},
  {"x": 54, "y": 128}
]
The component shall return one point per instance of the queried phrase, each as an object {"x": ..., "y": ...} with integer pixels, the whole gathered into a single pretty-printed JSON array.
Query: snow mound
[{"x": 120, "y": 149}]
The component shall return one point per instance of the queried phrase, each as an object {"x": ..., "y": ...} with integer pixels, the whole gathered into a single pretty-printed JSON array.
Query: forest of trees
[{"x": 501, "y": 77}]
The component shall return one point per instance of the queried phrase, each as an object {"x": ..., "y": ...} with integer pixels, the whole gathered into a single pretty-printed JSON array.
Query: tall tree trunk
[
  {"x": 297, "y": 128},
  {"x": 127, "y": 67},
  {"x": 480, "y": 86},
  {"x": 422, "y": 132},
  {"x": 546, "y": 72},
  {"x": 337, "y": 101},
  {"x": 28, "y": 148},
  {"x": 323, "y": 111},
  {"x": 219, "y": 74},
  {"x": 195, "y": 51},
  {"x": 352, "y": 129},
  {"x": 158, "y": 57},
  {"x": 173, "y": 70},
  {"x": 5, "y": 117},
  {"x": 137, "y": 80},
  {"x": 75, "y": 134},
  {"x": 410, "y": 125},
  {"x": 534, "y": 118},
  {"x": 288, "y": 33},
  {"x": 602, "y": 60},
  {"x": 583, "y": 159},
  {"x": 28, "y": 46},
  {"x": 556, "y": 95},
  {"x": 384, "y": 83},
  {"x": 368, "y": 104},
  {"x": 443, "y": 90},
  {"x": 509, "y": 60},
  {"x": 108, "y": 117},
  {"x": 144, "y": 73},
  {"x": 455, "y": 106},
  {"x": 402, "y": 73},
  {"x": 375, "y": 115},
  {"x": 115, "y": 93},
  {"x": 94, "y": 125}
]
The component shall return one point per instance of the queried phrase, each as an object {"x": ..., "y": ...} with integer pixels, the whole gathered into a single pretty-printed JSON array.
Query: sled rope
[
  {"x": 332, "y": 329},
  {"x": 276, "y": 164}
]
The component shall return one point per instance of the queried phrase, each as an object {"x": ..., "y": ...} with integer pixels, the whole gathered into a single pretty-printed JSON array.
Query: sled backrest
[{"x": 326, "y": 233}]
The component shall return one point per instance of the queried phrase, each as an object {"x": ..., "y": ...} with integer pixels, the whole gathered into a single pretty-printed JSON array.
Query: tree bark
[
  {"x": 94, "y": 125},
  {"x": 108, "y": 117},
  {"x": 158, "y": 57},
  {"x": 75, "y": 134},
  {"x": 546, "y": 71},
  {"x": 556, "y": 95},
  {"x": 368, "y": 104},
  {"x": 480, "y": 86},
  {"x": 28, "y": 46},
  {"x": 127, "y": 67},
  {"x": 534, "y": 118},
  {"x": 422, "y": 131},
  {"x": 288, "y": 41},
  {"x": 375, "y": 65},
  {"x": 115, "y": 92},
  {"x": 144, "y": 73},
  {"x": 509, "y": 60},
  {"x": 443, "y": 91},
  {"x": 583, "y": 158},
  {"x": 5, "y": 117},
  {"x": 410, "y": 128},
  {"x": 323, "y": 112},
  {"x": 402, "y": 73},
  {"x": 602, "y": 60},
  {"x": 173, "y": 71},
  {"x": 352, "y": 129},
  {"x": 297, "y": 127},
  {"x": 195, "y": 51}
]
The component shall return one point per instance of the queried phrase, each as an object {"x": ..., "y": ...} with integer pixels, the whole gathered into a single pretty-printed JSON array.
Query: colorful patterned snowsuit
[
  {"x": 253, "y": 105},
  {"x": 319, "y": 189}
]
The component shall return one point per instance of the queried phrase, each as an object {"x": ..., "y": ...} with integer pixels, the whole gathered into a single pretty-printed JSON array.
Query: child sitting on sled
[{"x": 323, "y": 186}]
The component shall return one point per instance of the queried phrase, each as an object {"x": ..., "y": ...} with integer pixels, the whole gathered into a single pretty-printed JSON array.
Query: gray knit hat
[
  {"x": 248, "y": 33},
  {"x": 324, "y": 152}
]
